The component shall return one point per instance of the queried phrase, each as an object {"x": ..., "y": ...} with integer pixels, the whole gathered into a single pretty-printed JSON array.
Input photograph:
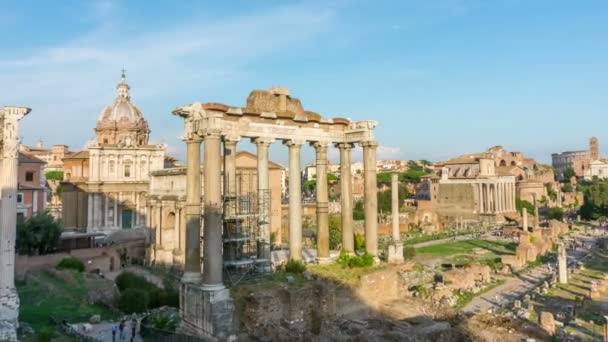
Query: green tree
[
  {"x": 335, "y": 231},
  {"x": 358, "y": 211},
  {"x": 568, "y": 174},
  {"x": 550, "y": 191},
  {"x": 38, "y": 235},
  {"x": 385, "y": 199},
  {"x": 567, "y": 188},
  {"x": 54, "y": 175},
  {"x": 555, "y": 213},
  {"x": 595, "y": 203},
  {"x": 520, "y": 204}
]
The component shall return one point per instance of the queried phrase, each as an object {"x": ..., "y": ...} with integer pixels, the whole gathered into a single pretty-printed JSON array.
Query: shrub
[
  {"x": 335, "y": 231},
  {"x": 70, "y": 264},
  {"x": 134, "y": 301},
  {"x": 352, "y": 261},
  {"x": 129, "y": 280},
  {"x": 295, "y": 266},
  {"x": 409, "y": 252},
  {"x": 359, "y": 242}
]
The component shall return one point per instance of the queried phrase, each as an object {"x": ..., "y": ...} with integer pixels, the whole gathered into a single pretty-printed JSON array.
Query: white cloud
[{"x": 69, "y": 83}]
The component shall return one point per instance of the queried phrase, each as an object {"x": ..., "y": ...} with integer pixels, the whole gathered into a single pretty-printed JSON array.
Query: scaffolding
[{"x": 243, "y": 240}]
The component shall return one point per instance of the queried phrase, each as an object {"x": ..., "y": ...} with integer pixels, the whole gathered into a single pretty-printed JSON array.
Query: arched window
[
  {"x": 503, "y": 163},
  {"x": 513, "y": 163}
]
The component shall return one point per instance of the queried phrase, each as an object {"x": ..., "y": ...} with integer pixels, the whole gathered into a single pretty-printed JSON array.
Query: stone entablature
[{"x": 114, "y": 163}]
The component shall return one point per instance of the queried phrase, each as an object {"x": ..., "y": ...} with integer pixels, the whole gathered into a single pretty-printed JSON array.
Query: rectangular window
[
  {"x": 20, "y": 198},
  {"x": 29, "y": 176}
]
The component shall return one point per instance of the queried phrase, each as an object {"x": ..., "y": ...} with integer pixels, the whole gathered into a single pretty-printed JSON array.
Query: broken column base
[
  {"x": 207, "y": 313},
  {"x": 395, "y": 253},
  {"x": 9, "y": 314}
]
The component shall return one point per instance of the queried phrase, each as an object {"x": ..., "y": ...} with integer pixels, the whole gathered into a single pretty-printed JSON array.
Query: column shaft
[
  {"x": 395, "y": 206},
  {"x": 116, "y": 210},
  {"x": 212, "y": 237},
  {"x": 263, "y": 196},
  {"x": 371, "y": 198},
  {"x": 192, "y": 265},
  {"x": 322, "y": 202},
  {"x": 295, "y": 201},
  {"x": 348, "y": 242}
]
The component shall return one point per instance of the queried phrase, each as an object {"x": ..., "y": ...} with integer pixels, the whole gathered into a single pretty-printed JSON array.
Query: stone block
[
  {"x": 395, "y": 253},
  {"x": 207, "y": 313},
  {"x": 547, "y": 322}
]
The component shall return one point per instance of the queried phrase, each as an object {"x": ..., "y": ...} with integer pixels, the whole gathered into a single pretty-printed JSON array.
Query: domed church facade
[{"x": 105, "y": 187}]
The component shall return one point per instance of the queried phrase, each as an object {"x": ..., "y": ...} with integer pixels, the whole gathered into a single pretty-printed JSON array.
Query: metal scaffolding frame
[{"x": 242, "y": 236}]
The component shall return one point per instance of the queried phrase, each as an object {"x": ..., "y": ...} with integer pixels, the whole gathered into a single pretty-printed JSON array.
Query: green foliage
[
  {"x": 295, "y": 266},
  {"x": 409, "y": 252},
  {"x": 155, "y": 296},
  {"x": 385, "y": 199},
  {"x": 555, "y": 213},
  {"x": 353, "y": 261},
  {"x": 359, "y": 242},
  {"x": 134, "y": 301},
  {"x": 47, "y": 334},
  {"x": 162, "y": 321},
  {"x": 129, "y": 280},
  {"x": 550, "y": 191},
  {"x": 568, "y": 174},
  {"x": 520, "y": 204},
  {"x": 71, "y": 264},
  {"x": 358, "y": 211},
  {"x": 38, "y": 235},
  {"x": 310, "y": 185},
  {"x": 331, "y": 178},
  {"x": 595, "y": 204},
  {"x": 335, "y": 231},
  {"x": 54, "y": 175},
  {"x": 567, "y": 188}
]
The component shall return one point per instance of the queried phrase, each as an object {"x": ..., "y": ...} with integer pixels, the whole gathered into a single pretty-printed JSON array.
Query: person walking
[
  {"x": 121, "y": 329},
  {"x": 133, "y": 328},
  {"x": 114, "y": 329}
]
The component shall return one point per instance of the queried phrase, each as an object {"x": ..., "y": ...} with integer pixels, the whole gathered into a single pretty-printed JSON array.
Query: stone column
[
  {"x": 524, "y": 214},
  {"x": 137, "y": 209},
  {"x": 395, "y": 247},
  {"x": 295, "y": 200},
  {"x": 536, "y": 215},
  {"x": 480, "y": 197},
  {"x": 371, "y": 197},
  {"x": 9, "y": 300},
  {"x": 212, "y": 236},
  {"x": 159, "y": 225},
  {"x": 116, "y": 210},
  {"x": 395, "y": 205},
  {"x": 562, "y": 264},
  {"x": 176, "y": 229},
  {"x": 348, "y": 242},
  {"x": 89, "y": 211},
  {"x": 322, "y": 202},
  {"x": 192, "y": 267},
  {"x": 106, "y": 211},
  {"x": 262, "y": 145},
  {"x": 230, "y": 165}
]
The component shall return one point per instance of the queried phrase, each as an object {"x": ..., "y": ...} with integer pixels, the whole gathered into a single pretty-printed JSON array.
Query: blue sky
[{"x": 442, "y": 78}]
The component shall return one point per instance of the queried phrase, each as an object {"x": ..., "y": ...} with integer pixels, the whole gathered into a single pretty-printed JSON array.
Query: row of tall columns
[{"x": 496, "y": 197}]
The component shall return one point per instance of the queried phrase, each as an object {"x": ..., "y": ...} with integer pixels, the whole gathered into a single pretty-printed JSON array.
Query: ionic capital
[
  {"x": 344, "y": 146},
  {"x": 369, "y": 144},
  {"x": 319, "y": 146},
  {"x": 262, "y": 141},
  {"x": 293, "y": 143},
  {"x": 232, "y": 139},
  {"x": 210, "y": 132}
]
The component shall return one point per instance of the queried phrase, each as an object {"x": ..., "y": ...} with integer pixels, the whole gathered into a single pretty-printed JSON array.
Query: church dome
[{"x": 122, "y": 122}]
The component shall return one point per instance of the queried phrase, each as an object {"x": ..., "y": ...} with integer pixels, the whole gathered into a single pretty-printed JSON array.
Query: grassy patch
[
  {"x": 462, "y": 251},
  {"x": 465, "y": 297},
  {"x": 44, "y": 296},
  {"x": 341, "y": 274}
]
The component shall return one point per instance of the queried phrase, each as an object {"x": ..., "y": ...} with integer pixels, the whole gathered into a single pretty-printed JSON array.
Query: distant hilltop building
[{"x": 579, "y": 161}]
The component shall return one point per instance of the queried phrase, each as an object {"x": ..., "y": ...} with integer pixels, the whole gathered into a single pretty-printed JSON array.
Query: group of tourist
[{"x": 120, "y": 330}]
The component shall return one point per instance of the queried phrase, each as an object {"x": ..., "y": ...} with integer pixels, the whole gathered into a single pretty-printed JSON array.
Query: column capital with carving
[
  {"x": 294, "y": 142},
  {"x": 231, "y": 138},
  {"x": 262, "y": 141},
  {"x": 319, "y": 146},
  {"x": 369, "y": 144},
  {"x": 345, "y": 146}
]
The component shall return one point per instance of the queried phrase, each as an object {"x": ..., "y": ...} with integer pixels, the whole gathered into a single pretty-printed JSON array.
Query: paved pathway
[
  {"x": 517, "y": 287},
  {"x": 103, "y": 333}
]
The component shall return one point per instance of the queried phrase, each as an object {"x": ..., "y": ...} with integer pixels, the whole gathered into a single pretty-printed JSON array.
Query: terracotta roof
[
  {"x": 79, "y": 155},
  {"x": 26, "y": 158}
]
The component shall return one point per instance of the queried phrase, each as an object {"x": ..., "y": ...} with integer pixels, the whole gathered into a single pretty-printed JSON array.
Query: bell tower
[{"x": 594, "y": 148}]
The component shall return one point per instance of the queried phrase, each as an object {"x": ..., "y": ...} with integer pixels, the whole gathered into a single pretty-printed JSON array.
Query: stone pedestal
[
  {"x": 395, "y": 253},
  {"x": 207, "y": 314}
]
